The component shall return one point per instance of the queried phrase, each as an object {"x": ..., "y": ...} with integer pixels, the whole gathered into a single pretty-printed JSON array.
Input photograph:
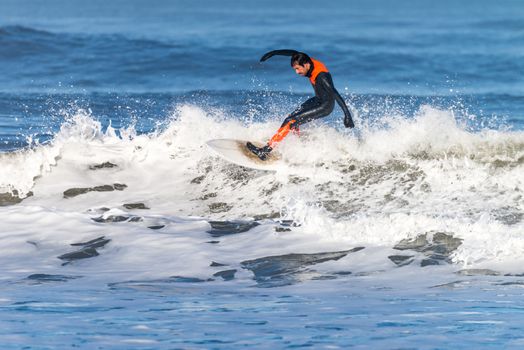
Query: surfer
[{"x": 319, "y": 106}]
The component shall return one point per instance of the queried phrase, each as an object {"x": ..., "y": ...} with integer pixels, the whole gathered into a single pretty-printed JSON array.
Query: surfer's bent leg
[
  {"x": 289, "y": 124},
  {"x": 309, "y": 104},
  {"x": 300, "y": 116},
  {"x": 309, "y": 110}
]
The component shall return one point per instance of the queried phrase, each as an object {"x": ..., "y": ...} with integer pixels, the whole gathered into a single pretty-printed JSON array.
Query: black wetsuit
[
  {"x": 319, "y": 106},
  {"x": 322, "y": 104},
  {"x": 325, "y": 96}
]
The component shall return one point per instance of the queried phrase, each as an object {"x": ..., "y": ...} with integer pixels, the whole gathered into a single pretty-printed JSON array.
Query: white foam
[{"x": 418, "y": 175}]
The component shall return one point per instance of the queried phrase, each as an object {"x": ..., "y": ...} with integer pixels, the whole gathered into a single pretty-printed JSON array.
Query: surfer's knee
[{"x": 291, "y": 121}]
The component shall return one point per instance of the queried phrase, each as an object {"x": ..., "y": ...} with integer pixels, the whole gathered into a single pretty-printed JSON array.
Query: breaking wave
[{"x": 407, "y": 178}]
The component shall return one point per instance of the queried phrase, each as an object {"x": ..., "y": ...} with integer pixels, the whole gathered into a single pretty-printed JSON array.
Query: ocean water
[{"x": 122, "y": 230}]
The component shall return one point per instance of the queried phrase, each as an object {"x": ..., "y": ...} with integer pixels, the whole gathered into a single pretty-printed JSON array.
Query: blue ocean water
[
  {"x": 108, "y": 55},
  {"x": 436, "y": 157}
]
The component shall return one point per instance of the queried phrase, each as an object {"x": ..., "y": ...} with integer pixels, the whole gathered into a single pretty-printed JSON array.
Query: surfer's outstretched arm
[
  {"x": 283, "y": 52},
  {"x": 348, "y": 118},
  {"x": 326, "y": 82}
]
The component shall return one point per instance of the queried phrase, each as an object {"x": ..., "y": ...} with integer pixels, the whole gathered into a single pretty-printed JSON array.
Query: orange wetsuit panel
[
  {"x": 318, "y": 67},
  {"x": 281, "y": 134}
]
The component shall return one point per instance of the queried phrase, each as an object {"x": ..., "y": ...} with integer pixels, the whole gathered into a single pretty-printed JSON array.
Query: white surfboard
[{"x": 235, "y": 151}]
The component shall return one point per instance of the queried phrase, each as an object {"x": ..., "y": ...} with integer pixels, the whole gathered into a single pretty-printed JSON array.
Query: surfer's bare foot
[{"x": 260, "y": 152}]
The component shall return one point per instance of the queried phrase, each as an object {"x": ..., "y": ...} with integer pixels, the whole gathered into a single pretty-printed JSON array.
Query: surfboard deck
[{"x": 235, "y": 151}]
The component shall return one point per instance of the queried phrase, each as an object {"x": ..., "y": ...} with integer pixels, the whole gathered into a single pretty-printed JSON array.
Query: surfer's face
[{"x": 301, "y": 70}]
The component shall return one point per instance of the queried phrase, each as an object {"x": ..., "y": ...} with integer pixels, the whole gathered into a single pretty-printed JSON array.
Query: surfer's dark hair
[{"x": 300, "y": 58}]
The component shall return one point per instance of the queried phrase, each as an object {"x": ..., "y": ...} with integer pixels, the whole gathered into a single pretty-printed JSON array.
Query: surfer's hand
[{"x": 348, "y": 122}]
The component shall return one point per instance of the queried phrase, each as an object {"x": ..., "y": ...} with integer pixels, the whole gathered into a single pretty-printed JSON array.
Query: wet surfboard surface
[{"x": 236, "y": 151}]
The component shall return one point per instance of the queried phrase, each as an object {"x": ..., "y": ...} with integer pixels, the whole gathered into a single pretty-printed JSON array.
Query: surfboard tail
[{"x": 237, "y": 152}]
